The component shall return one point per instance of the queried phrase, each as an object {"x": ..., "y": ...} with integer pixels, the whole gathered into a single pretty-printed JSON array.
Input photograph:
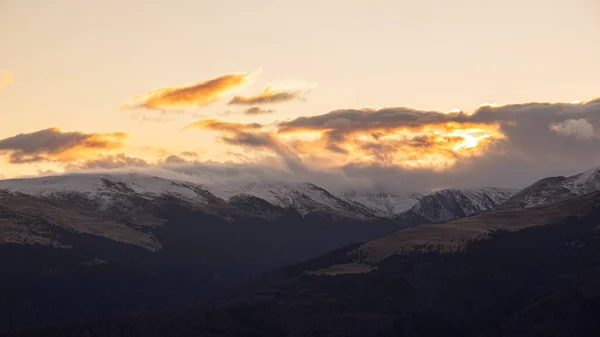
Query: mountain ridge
[{"x": 554, "y": 189}]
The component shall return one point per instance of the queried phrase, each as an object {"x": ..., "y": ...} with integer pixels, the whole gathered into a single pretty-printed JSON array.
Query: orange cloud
[
  {"x": 198, "y": 94},
  {"x": 53, "y": 145},
  {"x": 218, "y": 125}
]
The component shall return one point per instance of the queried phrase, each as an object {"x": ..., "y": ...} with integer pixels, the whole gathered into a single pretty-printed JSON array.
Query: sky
[{"x": 384, "y": 93}]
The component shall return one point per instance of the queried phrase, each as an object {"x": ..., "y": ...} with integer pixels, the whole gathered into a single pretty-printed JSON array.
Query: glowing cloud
[
  {"x": 398, "y": 136},
  {"x": 218, "y": 125},
  {"x": 198, "y": 94}
]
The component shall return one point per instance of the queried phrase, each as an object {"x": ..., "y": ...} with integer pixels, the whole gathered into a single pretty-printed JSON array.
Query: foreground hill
[
  {"x": 536, "y": 274},
  {"x": 456, "y": 235}
]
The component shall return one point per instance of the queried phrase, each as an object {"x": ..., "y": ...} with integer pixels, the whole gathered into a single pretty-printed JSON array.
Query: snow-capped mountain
[
  {"x": 382, "y": 203},
  {"x": 120, "y": 195},
  {"x": 125, "y": 197},
  {"x": 105, "y": 192},
  {"x": 454, "y": 203},
  {"x": 555, "y": 189},
  {"x": 136, "y": 209},
  {"x": 104, "y": 185},
  {"x": 303, "y": 197}
]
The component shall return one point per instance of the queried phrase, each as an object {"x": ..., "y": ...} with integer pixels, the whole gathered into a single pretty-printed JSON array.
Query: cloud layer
[
  {"x": 198, "y": 94},
  {"x": 397, "y": 149},
  {"x": 410, "y": 149}
]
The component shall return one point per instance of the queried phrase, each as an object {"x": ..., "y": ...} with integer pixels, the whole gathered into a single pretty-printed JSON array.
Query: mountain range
[
  {"x": 125, "y": 206},
  {"x": 84, "y": 245}
]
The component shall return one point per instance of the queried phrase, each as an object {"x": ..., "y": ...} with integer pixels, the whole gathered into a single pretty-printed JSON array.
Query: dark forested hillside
[
  {"x": 202, "y": 255},
  {"x": 539, "y": 281}
]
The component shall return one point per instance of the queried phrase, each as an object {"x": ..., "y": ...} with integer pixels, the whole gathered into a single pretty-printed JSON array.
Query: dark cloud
[
  {"x": 350, "y": 120},
  {"x": 54, "y": 145},
  {"x": 250, "y": 139},
  {"x": 264, "y": 140},
  {"x": 528, "y": 132},
  {"x": 428, "y": 141},
  {"x": 175, "y": 159},
  {"x": 181, "y": 158},
  {"x": 255, "y": 110},
  {"x": 268, "y": 96},
  {"x": 249, "y": 135},
  {"x": 124, "y": 161}
]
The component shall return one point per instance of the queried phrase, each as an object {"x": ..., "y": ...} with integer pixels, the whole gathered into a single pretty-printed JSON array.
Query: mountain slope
[
  {"x": 455, "y": 235},
  {"x": 451, "y": 204},
  {"x": 554, "y": 189},
  {"x": 30, "y": 220},
  {"x": 382, "y": 203},
  {"x": 303, "y": 197},
  {"x": 107, "y": 191},
  {"x": 121, "y": 207}
]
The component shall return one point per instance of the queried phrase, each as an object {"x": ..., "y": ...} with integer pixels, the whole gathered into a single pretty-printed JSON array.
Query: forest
[
  {"x": 540, "y": 281},
  {"x": 201, "y": 256}
]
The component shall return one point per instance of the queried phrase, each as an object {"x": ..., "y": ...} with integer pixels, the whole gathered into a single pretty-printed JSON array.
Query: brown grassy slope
[
  {"x": 23, "y": 217},
  {"x": 454, "y": 235}
]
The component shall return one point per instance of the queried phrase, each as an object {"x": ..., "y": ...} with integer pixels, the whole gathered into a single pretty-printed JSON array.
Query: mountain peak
[
  {"x": 452, "y": 203},
  {"x": 383, "y": 203},
  {"x": 555, "y": 189}
]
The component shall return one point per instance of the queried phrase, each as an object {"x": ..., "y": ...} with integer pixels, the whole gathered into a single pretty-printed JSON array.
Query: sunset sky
[{"x": 426, "y": 94}]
